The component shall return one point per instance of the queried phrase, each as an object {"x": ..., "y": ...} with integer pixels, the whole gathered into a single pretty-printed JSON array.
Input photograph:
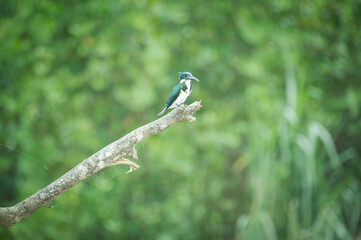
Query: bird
[{"x": 180, "y": 92}]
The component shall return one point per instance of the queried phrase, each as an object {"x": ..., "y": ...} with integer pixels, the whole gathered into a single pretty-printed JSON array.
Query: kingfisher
[{"x": 180, "y": 92}]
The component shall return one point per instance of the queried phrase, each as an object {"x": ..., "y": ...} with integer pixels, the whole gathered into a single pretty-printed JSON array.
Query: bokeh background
[{"x": 274, "y": 153}]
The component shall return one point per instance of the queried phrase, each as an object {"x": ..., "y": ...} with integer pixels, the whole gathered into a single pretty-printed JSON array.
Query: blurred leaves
[{"x": 274, "y": 153}]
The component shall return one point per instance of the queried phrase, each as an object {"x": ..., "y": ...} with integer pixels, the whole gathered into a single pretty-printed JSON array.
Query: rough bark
[{"x": 113, "y": 154}]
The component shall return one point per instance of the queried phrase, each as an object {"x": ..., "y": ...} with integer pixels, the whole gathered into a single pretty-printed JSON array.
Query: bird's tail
[{"x": 163, "y": 110}]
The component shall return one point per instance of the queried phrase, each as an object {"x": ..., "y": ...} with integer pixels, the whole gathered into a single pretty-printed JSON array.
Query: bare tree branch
[{"x": 113, "y": 154}]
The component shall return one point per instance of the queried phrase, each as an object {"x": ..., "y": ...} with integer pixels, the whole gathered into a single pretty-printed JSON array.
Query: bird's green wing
[{"x": 174, "y": 94}]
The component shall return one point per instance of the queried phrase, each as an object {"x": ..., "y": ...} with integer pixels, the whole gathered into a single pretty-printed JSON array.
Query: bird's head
[{"x": 184, "y": 76}]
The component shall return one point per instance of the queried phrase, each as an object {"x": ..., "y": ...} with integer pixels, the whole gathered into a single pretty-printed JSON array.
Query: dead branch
[{"x": 113, "y": 154}]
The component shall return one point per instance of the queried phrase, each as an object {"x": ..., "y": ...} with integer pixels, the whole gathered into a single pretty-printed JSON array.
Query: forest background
[{"x": 274, "y": 153}]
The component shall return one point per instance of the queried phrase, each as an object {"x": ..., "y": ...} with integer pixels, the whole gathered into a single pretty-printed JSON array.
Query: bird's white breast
[{"x": 182, "y": 95}]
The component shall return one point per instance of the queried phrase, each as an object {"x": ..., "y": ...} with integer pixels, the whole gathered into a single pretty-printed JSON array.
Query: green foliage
[{"x": 274, "y": 153}]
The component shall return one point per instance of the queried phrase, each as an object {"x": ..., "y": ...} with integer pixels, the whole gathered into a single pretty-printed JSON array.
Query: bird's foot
[{"x": 182, "y": 105}]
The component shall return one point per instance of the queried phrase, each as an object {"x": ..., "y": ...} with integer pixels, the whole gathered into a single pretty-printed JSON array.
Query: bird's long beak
[{"x": 193, "y": 78}]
